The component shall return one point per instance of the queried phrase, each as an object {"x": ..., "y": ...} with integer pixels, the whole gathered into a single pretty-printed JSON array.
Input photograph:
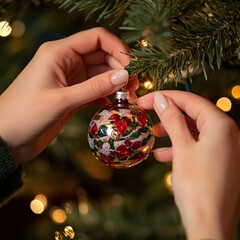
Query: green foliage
[
  {"x": 108, "y": 8},
  {"x": 10, "y": 9},
  {"x": 183, "y": 37},
  {"x": 192, "y": 37}
]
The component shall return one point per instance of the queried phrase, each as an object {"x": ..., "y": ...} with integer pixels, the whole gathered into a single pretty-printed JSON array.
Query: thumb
[
  {"x": 96, "y": 87},
  {"x": 172, "y": 120}
]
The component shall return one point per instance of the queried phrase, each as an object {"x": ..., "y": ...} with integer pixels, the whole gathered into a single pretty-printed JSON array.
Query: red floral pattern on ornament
[
  {"x": 106, "y": 159},
  {"x": 126, "y": 150},
  {"x": 120, "y": 123},
  {"x": 139, "y": 157},
  {"x": 94, "y": 129},
  {"x": 142, "y": 119}
]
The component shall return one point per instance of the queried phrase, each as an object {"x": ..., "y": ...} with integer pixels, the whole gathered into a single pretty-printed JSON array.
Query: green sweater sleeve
[{"x": 10, "y": 174}]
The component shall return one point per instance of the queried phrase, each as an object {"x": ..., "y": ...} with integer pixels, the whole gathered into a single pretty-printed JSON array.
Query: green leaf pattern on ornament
[{"x": 102, "y": 132}]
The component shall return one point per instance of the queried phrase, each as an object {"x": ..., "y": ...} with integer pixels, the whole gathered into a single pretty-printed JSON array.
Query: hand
[
  {"x": 206, "y": 166},
  {"x": 62, "y": 76}
]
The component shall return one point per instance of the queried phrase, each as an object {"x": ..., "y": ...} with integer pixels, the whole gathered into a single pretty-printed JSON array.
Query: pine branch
[
  {"x": 182, "y": 36},
  {"x": 11, "y": 9},
  {"x": 198, "y": 38},
  {"x": 109, "y": 8}
]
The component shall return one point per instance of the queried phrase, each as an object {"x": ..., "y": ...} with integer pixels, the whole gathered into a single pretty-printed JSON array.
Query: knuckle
[
  {"x": 45, "y": 47},
  {"x": 100, "y": 29},
  {"x": 227, "y": 127},
  {"x": 97, "y": 87},
  {"x": 172, "y": 118},
  {"x": 49, "y": 50}
]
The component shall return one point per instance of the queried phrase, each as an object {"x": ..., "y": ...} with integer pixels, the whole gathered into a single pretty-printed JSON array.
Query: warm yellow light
[
  {"x": 58, "y": 215},
  {"x": 210, "y": 14},
  {"x": 37, "y": 206},
  {"x": 5, "y": 29},
  {"x": 117, "y": 200},
  {"x": 236, "y": 91},
  {"x": 171, "y": 75},
  {"x": 68, "y": 232},
  {"x": 148, "y": 84},
  {"x": 168, "y": 180},
  {"x": 224, "y": 104},
  {"x": 144, "y": 43},
  {"x": 43, "y": 199},
  {"x": 68, "y": 208},
  {"x": 18, "y": 29},
  {"x": 58, "y": 236},
  {"x": 83, "y": 208}
]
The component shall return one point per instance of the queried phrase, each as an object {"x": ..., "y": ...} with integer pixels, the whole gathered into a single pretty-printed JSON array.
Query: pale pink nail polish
[{"x": 120, "y": 77}]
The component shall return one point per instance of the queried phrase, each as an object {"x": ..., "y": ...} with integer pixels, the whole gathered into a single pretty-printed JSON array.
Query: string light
[
  {"x": 18, "y": 29},
  {"x": 68, "y": 208},
  {"x": 210, "y": 14},
  {"x": 58, "y": 215},
  {"x": 117, "y": 200},
  {"x": 5, "y": 29},
  {"x": 43, "y": 199},
  {"x": 224, "y": 104},
  {"x": 171, "y": 75},
  {"x": 58, "y": 236},
  {"x": 38, "y": 204},
  {"x": 69, "y": 232},
  {"x": 236, "y": 91},
  {"x": 83, "y": 208},
  {"x": 144, "y": 43},
  {"x": 168, "y": 180},
  {"x": 148, "y": 85}
]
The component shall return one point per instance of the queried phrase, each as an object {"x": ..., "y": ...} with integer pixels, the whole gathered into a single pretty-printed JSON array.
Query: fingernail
[
  {"x": 160, "y": 149},
  {"x": 160, "y": 101},
  {"x": 120, "y": 77}
]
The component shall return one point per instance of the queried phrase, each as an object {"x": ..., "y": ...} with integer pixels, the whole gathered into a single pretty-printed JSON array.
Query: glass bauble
[{"x": 120, "y": 134}]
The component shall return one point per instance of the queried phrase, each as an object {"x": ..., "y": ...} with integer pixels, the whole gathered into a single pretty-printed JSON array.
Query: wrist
[
  {"x": 208, "y": 227},
  {"x": 10, "y": 174}
]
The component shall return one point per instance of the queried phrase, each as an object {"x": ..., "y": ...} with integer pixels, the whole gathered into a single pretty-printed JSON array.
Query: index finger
[
  {"x": 196, "y": 107},
  {"x": 88, "y": 41}
]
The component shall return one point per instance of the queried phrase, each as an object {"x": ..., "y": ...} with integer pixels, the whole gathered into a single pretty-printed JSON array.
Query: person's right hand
[
  {"x": 62, "y": 76},
  {"x": 206, "y": 166}
]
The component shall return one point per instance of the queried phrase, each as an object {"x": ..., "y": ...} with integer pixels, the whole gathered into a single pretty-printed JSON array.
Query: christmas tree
[{"x": 189, "y": 45}]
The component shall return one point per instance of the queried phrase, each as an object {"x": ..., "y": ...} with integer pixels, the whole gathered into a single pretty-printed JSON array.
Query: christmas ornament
[{"x": 120, "y": 133}]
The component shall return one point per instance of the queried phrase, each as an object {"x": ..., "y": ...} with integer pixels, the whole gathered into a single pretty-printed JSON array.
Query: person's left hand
[{"x": 62, "y": 76}]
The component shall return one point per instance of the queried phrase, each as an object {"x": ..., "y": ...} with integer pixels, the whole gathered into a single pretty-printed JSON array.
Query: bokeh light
[
  {"x": 37, "y": 206},
  {"x": 168, "y": 180},
  {"x": 18, "y": 29},
  {"x": 148, "y": 84},
  {"x": 69, "y": 232},
  {"x": 58, "y": 215},
  {"x": 144, "y": 43},
  {"x": 5, "y": 29},
  {"x": 236, "y": 91},
  {"x": 43, "y": 199},
  {"x": 224, "y": 104},
  {"x": 117, "y": 200},
  {"x": 83, "y": 208}
]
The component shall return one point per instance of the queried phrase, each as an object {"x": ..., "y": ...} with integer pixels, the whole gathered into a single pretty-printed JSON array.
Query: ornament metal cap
[{"x": 122, "y": 95}]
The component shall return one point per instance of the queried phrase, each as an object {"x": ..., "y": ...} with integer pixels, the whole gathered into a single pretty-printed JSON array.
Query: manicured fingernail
[
  {"x": 160, "y": 149},
  {"x": 120, "y": 77},
  {"x": 160, "y": 101}
]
